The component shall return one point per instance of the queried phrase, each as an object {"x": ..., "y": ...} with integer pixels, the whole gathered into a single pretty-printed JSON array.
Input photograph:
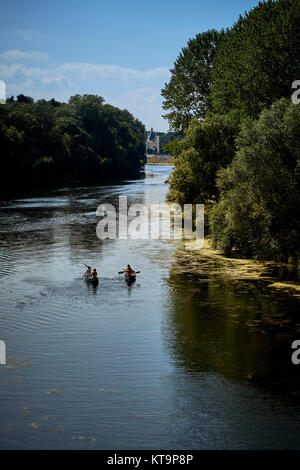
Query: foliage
[
  {"x": 208, "y": 146},
  {"x": 47, "y": 141},
  {"x": 258, "y": 59},
  {"x": 186, "y": 94},
  {"x": 165, "y": 141},
  {"x": 241, "y": 149},
  {"x": 258, "y": 212}
]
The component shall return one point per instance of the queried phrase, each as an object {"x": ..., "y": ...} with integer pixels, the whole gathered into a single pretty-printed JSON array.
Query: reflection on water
[
  {"x": 194, "y": 354},
  {"x": 285, "y": 272},
  {"x": 235, "y": 326}
]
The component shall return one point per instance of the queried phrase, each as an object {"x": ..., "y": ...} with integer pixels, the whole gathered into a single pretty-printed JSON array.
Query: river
[{"x": 196, "y": 354}]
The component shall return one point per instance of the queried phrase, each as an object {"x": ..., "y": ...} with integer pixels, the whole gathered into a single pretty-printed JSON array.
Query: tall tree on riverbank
[
  {"x": 258, "y": 212},
  {"x": 207, "y": 147},
  {"x": 186, "y": 94},
  {"x": 258, "y": 59},
  {"x": 254, "y": 65}
]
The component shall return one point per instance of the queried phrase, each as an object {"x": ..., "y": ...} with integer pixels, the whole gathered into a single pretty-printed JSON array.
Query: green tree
[
  {"x": 258, "y": 211},
  {"x": 208, "y": 146},
  {"x": 258, "y": 59},
  {"x": 165, "y": 141},
  {"x": 84, "y": 139},
  {"x": 186, "y": 94}
]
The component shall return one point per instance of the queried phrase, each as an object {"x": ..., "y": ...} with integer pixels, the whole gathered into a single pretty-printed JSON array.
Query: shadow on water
[
  {"x": 231, "y": 325},
  {"x": 284, "y": 272}
]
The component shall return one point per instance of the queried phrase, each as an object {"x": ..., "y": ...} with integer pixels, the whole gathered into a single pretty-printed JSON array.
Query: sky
[{"x": 120, "y": 49}]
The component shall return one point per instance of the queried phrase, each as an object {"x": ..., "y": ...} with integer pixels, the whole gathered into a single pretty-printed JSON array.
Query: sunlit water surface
[{"x": 183, "y": 358}]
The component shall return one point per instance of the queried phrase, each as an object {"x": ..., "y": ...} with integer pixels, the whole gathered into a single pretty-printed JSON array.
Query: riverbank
[
  {"x": 38, "y": 187},
  {"x": 288, "y": 276},
  {"x": 160, "y": 160}
]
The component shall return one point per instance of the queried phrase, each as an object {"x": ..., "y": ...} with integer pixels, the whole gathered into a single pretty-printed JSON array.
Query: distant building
[{"x": 152, "y": 142}]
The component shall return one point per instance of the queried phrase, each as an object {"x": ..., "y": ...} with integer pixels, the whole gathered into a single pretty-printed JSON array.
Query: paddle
[{"x": 122, "y": 272}]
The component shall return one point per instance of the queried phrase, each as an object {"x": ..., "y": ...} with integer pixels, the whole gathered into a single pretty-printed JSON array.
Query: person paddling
[
  {"x": 88, "y": 272},
  {"x": 94, "y": 274},
  {"x": 129, "y": 271}
]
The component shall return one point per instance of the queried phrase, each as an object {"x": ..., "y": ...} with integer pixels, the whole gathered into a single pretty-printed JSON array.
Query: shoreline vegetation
[
  {"x": 48, "y": 142},
  {"x": 160, "y": 160},
  {"x": 241, "y": 268},
  {"x": 229, "y": 99}
]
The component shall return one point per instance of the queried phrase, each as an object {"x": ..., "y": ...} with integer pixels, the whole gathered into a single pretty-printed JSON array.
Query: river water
[{"x": 196, "y": 354}]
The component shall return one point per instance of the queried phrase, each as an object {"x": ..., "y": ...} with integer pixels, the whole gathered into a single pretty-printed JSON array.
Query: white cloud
[
  {"x": 42, "y": 76},
  {"x": 81, "y": 71},
  {"x": 127, "y": 88},
  {"x": 146, "y": 94},
  {"x": 27, "y": 33},
  {"x": 9, "y": 71},
  {"x": 86, "y": 70},
  {"x": 16, "y": 54}
]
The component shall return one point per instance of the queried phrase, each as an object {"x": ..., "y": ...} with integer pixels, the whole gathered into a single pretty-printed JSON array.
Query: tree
[
  {"x": 258, "y": 212},
  {"x": 258, "y": 59},
  {"x": 165, "y": 141},
  {"x": 47, "y": 141},
  {"x": 208, "y": 146},
  {"x": 24, "y": 99},
  {"x": 186, "y": 94}
]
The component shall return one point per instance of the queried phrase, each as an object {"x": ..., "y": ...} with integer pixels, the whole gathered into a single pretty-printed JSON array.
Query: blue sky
[{"x": 121, "y": 50}]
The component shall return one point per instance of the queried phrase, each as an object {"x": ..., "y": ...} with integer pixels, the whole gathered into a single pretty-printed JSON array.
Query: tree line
[
  {"x": 85, "y": 139},
  {"x": 230, "y": 96}
]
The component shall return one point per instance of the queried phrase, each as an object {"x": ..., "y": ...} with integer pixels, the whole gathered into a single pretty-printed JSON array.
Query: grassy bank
[
  {"x": 198, "y": 261},
  {"x": 160, "y": 160}
]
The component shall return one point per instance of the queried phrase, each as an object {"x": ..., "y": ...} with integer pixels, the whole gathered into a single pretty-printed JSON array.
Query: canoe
[
  {"x": 92, "y": 280},
  {"x": 130, "y": 278}
]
